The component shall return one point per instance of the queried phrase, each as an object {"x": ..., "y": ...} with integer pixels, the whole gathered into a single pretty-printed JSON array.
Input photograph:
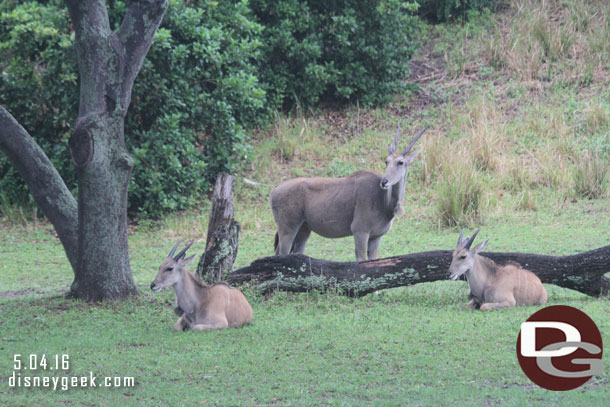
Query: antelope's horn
[
  {"x": 412, "y": 143},
  {"x": 470, "y": 240},
  {"x": 396, "y": 137},
  {"x": 183, "y": 251},
  {"x": 460, "y": 238},
  {"x": 171, "y": 253}
]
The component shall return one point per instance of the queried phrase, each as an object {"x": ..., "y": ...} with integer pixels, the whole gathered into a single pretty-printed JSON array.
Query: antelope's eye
[
  {"x": 169, "y": 269},
  {"x": 401, "y": 162},
  {"x": 462, "y": 257}
]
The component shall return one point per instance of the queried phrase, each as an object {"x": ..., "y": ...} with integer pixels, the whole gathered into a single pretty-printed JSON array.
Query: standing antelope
[
  {"x": 200, "y": 306},
  {"x": 493, "y": 286},
  {"x": 362, "y": 204}
]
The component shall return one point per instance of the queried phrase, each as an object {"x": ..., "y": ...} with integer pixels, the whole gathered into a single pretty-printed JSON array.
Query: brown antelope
[
  {"x": 493, "y": 286},
  {"x": 200, "y": 306},
  {"x": 362, "y": 204}
]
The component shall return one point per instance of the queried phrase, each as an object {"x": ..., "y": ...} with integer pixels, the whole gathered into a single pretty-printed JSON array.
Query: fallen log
[{"x": 299, "y": 273}]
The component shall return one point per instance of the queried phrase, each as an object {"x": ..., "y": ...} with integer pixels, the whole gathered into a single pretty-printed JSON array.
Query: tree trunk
[
  {"x": 223, "y": 234},
  {"x": 103, "y": 257},
  {"x": 298, "y": 273},
  {"x": 108, "y": 64},
  {"x": 94, "y": 235}
]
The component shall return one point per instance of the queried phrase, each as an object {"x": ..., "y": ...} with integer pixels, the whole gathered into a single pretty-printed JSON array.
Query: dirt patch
[
  {"x": 427, "y": 66},
  {"x": 27, "y": 292}
]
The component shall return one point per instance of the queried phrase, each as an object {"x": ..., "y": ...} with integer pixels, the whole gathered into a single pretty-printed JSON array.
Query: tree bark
[
  {"x": 298, "y": 273},
  {"x": 223, "y": 234},
  {"x": 108, "y": 64}
]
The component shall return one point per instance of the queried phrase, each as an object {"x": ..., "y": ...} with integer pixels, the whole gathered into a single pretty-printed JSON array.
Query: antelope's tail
[{"x": 276, "y": 243}]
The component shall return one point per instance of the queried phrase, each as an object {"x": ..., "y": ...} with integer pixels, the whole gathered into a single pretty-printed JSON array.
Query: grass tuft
[
  {"x": 591, "y": 176},
  {"x": 459, "y": 195}
]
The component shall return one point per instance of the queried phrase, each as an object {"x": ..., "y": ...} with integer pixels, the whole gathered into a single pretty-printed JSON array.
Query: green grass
[
  {"x": 405, "y": 346},
  {"x": 519, "y": 100},
  {"x": 416, "y": 346}
]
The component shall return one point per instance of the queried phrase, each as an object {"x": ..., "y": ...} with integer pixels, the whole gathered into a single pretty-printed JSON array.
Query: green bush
[
  {"x": 38, "y": 85},
  {"x": 335, "y": 51},
  {"x": 191, "y": 103},
  {"x": 444, "y": 10},
  {"x": 214, "y": 70},
  {"x": 197, "y": 92}
]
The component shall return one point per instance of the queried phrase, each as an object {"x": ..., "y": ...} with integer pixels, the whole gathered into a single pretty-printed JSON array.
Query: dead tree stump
[
  {"x": 582, "y": 272},
  {"x": 223, "y": 234}
]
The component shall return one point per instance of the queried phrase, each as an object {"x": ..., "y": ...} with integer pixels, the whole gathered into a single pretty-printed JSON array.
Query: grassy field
[{"x": 518, "y": 106}]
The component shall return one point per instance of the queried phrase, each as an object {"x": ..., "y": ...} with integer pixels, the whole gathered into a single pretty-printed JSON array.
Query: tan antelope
[
  {"x": 493, "y": 286},
  {"x": 200, "y": 306},
  {"x": 362, "y": 204}
]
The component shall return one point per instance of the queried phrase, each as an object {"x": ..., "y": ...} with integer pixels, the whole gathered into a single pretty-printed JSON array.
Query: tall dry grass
[
  {"x": 538, "y": 36},
  {"x": 591, "y": 175}
]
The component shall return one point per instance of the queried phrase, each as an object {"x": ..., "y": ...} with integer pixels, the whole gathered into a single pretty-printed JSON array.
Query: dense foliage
[
  {"x": 335, "y": 50},
  {"x": 191, "y": 103},
  {"x": 38, "y": 85},
  {"x": 215, "y": 70}
]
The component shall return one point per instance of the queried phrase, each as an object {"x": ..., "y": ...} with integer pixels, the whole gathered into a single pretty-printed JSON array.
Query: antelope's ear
[
  {"x": 411, "y": 156},
  {"x": 480, "y": 246},
  {"x": 187, "y": 261}
]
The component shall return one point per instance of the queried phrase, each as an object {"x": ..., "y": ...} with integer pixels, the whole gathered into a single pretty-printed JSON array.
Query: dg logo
[{"x": 560, "y": 348}]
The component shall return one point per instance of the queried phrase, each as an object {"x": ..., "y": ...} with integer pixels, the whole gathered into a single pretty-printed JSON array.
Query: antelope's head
[
  {"x": 396, "y": 165},
  {"x": 170, "y": 271},
  {"x": 463, "y": 255}
]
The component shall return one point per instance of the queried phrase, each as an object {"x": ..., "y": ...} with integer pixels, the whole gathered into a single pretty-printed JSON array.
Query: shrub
[
  {"x": 197, "y": 92},
  {"x": 195, "y": 95},
  {"x": 38, "y": 85},
  {"x": 214, "y": 70},
  {"x": 335, "y": 51}
]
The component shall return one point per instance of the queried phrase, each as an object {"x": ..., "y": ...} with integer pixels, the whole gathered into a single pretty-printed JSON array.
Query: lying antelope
[
  {"x": 362, "y": 204},
  {"x": 493, "y": 286},
  {"x": 200, "y": 306}
]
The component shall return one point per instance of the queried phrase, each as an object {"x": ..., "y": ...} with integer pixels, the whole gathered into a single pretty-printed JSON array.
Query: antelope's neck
[
  {"x": 477, "y": 278},
  {"x": 394, "y": 197},
  {"x": 187, "y": 293}
]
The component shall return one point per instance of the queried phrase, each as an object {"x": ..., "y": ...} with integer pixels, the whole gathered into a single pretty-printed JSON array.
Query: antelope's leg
[
  {"x": 373, "y": 248},
  {"x": 471, "y": 304},
  {"x": 497, "y": 305},
  {"x": 361, "y": 240},
  {"x": 298, "y": 246},
  {"x": 179, "y": 325},
  {"x": 217, "y": 324},
  {"x": 287, "y": 236}
]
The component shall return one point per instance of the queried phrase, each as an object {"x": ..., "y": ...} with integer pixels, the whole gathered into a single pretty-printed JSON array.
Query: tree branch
[
  {"x": 136, "y": 34},
  {"x": 43, "y": 180}
]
